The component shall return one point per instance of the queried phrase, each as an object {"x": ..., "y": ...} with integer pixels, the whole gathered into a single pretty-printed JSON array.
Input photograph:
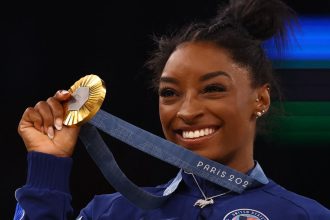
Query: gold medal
[{"x": 88, "y": 94}]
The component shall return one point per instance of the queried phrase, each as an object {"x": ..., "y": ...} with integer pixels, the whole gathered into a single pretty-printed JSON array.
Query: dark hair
[{"x": 240, "y": 27}]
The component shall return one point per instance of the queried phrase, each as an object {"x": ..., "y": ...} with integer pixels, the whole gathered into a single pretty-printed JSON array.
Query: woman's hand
[{"x": 42, "y": 130}]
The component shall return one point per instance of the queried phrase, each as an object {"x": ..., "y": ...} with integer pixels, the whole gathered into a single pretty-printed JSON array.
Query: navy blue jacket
[{"x": 46, "y": 196}]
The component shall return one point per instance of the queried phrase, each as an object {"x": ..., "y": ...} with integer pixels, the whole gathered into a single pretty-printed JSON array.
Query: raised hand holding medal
[
  {"x": 42, "y": 130},
  {"x": 52, "y": 126}
]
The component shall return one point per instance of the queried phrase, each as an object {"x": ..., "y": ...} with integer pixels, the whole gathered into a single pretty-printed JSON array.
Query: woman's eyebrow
[
  {"x": 207, "y": 76},
  {"x": 211, "y": 75},
  {"x": 167, "y": 79}
]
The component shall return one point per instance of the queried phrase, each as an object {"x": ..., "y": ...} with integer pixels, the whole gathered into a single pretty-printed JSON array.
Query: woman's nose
[{"x": 190, "y": 110}]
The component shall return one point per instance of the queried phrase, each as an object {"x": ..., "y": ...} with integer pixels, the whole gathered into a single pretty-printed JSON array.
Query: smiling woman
[
  {"x": 214, "y": 82},
  {"x": 209, "y": 93}
]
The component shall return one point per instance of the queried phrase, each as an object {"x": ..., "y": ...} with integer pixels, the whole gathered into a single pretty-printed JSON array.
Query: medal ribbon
[{"x": 157, "y": 147}]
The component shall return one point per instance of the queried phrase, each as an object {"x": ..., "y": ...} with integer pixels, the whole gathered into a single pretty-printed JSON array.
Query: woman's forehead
[{"x": 200, "y": 58}]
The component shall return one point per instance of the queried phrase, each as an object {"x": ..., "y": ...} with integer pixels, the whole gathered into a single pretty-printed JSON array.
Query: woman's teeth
[{"x": 198, "y": 133}]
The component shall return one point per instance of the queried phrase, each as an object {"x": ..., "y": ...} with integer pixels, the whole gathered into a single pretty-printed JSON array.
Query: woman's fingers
[
  {"x": 51, "y": 112},
  {"x": 46, "y": 113},
  {"x": 58, "y": 112},
  {"x": 62, "y": 95},
  {"x": 45, "y": 119}
]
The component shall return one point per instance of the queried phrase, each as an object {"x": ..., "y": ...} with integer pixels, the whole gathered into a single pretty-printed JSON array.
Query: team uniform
[{"x": 46, "y": 196}]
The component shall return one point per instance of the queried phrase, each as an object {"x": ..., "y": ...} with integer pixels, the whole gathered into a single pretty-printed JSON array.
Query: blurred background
[{"x": 44, "y": 48}]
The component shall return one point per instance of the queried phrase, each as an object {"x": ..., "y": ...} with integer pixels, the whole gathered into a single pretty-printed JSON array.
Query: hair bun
[{"x": 262, "y": 19}]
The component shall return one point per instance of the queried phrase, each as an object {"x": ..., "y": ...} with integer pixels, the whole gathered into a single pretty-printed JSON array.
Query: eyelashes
[
  {"x": 214, "y": 88},
  {"x": 168, "y": 92}
]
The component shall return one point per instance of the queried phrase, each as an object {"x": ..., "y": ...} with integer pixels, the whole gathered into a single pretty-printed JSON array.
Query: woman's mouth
[
  {"x": 195, "y": 136},
  {"x": 197, "y": 133}
]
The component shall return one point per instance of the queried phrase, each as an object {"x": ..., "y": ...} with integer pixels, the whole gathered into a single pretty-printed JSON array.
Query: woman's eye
[
  {"x": 166, "y": 92},
  {"x": 214, "y": 88}
]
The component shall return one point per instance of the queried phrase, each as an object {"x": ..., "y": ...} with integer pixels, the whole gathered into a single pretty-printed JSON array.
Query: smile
[{"x": 198, "y": 133}]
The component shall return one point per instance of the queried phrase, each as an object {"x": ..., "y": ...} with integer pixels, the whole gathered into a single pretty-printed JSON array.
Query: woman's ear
[{"x": 262, "y": 100}]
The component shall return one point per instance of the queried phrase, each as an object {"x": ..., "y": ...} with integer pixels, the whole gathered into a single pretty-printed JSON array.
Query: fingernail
[
  {"x": 64, "y": 92},
  {"x": 58, "y": 124},
  {"x": 50, "y": 132}
]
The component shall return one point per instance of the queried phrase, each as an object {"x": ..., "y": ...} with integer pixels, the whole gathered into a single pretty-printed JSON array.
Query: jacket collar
[{"x": 209, "y": 188}]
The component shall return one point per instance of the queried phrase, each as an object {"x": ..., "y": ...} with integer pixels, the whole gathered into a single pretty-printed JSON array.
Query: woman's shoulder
[{"x": 311, "y": 207}]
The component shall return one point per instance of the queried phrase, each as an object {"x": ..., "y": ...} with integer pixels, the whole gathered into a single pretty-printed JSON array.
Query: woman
[{"x": 214, "y": 82}]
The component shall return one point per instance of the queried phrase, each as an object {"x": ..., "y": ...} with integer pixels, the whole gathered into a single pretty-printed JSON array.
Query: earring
[
  {"x": 257, "y": 99},
  {"x": 258, "y": 114}
]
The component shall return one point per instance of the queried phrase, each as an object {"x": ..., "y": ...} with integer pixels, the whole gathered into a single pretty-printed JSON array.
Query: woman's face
[{"x": 207, "y": 105}]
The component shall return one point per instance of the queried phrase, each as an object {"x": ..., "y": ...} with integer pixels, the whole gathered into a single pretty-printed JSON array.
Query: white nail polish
[
  {"x": 50, "y": 132},
  {"x": 64, "y": 92},
  {"x": 58, "y": 124}
]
